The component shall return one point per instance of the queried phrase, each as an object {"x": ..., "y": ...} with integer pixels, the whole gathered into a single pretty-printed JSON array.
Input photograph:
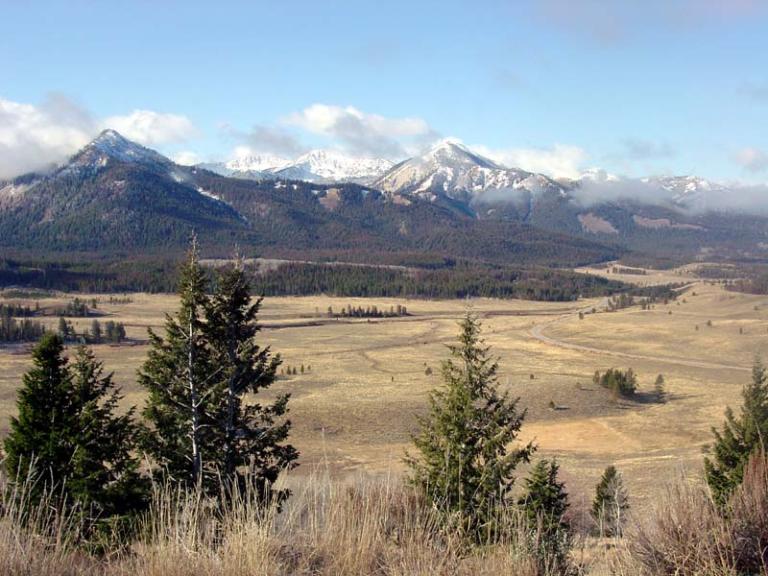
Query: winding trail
[{"x": 537, "y": 332}]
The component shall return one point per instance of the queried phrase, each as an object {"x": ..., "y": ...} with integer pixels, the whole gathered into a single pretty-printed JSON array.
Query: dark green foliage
[
  {"x": 545, "y": 503},
  {"x": 180, "y": 375},
  {"x": 104, "y": 468},
  {"x": 739, "y": 438},
  {"x": 42, "y": 433},
  {"x": 545, "y": 499},
  {"x": 610, "y": 504},
  {"x": 456, "y": 282},
  {"x": 620, "y": 383},
  {"x": 68, "y": 434},
  {"x": 465, "y": 459},
  {"x": 254, "y": 435}
]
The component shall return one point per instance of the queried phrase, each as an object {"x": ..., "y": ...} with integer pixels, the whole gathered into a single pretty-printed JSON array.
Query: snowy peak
[
  {"x": 451, "y": 170},
  {"x": 111, "y": 145},
  {"x": 452, "y": 152}
]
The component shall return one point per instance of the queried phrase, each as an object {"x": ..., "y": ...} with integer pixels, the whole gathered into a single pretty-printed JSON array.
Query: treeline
[
  {"x": 88, "y": 275},
  {"x": 368, "y": 312},
  {"x": 295, "y": 279}
]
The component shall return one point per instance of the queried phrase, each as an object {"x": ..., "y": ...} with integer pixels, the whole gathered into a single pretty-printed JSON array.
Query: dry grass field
[{"x": 354, "y": 409}]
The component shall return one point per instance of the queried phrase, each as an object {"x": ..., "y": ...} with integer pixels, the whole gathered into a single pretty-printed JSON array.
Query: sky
[{"x": 558, "y": 86}]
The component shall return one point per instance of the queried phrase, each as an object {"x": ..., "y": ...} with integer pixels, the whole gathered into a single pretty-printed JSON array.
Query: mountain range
[
  {"x": 322, "y": 166},
  {"x": 115, "y": 195}
]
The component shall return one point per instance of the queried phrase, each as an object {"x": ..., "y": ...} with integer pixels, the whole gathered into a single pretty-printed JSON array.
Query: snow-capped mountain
[
  {"x": 333, "y": 166},
  {"x": 322, "y": 166},
  {"x": 452, "y": 170},
  {"x": 111, "y": 145}
]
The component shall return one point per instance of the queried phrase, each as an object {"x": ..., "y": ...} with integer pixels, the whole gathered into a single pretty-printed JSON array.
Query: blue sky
[{"x": 675, "y": 86}]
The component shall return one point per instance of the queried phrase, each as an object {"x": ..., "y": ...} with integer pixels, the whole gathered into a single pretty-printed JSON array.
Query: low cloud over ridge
[{"x": 34, "y": 137}]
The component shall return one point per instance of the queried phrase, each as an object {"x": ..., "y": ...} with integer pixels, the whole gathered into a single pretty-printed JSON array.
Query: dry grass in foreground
[
  {"x": 381, "y": 528},
  {"x": 324, "y": 528}
]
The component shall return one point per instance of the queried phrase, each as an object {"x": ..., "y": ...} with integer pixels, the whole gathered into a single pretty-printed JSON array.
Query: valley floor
[{"x": 364, "y": 382}]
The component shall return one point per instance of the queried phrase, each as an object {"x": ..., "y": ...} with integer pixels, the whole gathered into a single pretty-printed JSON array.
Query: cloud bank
[{"x": 559, "y": 161}]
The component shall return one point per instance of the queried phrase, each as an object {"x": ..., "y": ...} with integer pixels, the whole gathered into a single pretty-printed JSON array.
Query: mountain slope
[
  {"x": 112, "y": 194},
  {"x": 116, "y": 195}
]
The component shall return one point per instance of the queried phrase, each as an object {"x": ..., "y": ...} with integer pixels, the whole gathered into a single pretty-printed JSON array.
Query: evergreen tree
[
  {"x": 465, "y": 464},
  {"x": 610, "y": 503},
  {"x": 41, "y": 439},
  {"x": 104, "y": 467},
  {"x": 545, "y": 499},
  {"x": 68, "y": 434},
  {"x": 739, "y": 438},
  {"x": 254, "y": 434},
  {"x": 181, "y": 378},
  {"x": 545, "y": 502}
]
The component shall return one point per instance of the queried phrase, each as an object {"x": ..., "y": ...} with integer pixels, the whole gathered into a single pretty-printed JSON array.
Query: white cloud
[
  {"x": 364, "y": 133},
  {"x": 34, "y": 137},
  {"x": 752, "y": 159},
  {"x": 187, "y": 158},
  {"x": 152, "y": 128},
  {"x": 559, "y": 161}
]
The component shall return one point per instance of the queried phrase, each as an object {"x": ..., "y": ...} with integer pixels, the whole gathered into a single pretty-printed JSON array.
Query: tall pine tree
[
  {"x": 465, "y": 463},
  {"x": 254, "y": 434},
  {"x": 181, "y": 378},
  {"x": 739, "y": 438}
]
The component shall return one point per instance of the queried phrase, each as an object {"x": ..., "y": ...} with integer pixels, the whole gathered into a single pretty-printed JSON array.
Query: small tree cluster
[
  {"x": 113, "y": 332},
  {"x": 23, "y": 330},
  {"x": 77, "y": 308},
  {"x": 622, "y": 383},
  {"x": 293, "y": 370}
]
